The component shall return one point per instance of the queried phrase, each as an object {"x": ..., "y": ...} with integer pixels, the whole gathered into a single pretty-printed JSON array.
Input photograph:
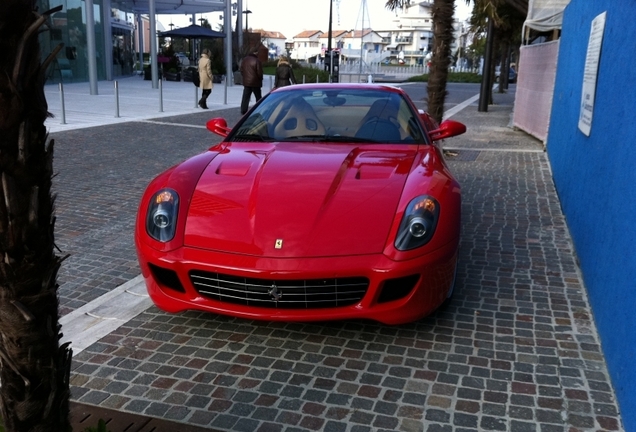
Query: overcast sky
[{"x": 291, "y": 17}]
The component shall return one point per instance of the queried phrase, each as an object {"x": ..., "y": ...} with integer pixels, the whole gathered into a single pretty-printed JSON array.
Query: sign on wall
[{"x": 590, "y": 73}]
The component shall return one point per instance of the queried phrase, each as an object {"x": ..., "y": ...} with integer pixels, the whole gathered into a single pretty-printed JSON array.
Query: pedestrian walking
[
  {"x": 205, "y": 77},
  {"x": 252, "y": 74},
  {"x": 284, "y": 73}
]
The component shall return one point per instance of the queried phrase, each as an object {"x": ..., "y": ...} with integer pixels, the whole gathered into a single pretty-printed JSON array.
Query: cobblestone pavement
[
  {"x": 101, "y": 174},
  {"x": 516, "y": 350}
]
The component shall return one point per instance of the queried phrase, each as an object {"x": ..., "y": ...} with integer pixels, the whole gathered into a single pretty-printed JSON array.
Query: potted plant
[
  {"x": 218, "y": 65},
  {"x": 217, "y": 78},
  {"x": 171, "y": 69},
  {"x": 188, "y": 72},
  {"x": 172, "y": 74},
  {"x": 148, "y": 72}
]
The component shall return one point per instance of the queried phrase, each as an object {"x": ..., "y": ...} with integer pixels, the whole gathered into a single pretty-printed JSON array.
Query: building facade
[
  {"x": 274, "y": 41},
  {"x": 104, "y": 39},
  {"x": 116, "y": 40},
  {"x": 592, "y": 159},
  {"x": 307, "y": 46},
  {"x": 412, "y": 33}
]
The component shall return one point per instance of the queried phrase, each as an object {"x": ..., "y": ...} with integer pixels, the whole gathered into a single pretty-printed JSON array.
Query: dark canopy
[
  {"x": 193, "y": 31},
  {"x": 170, "y": 7}
]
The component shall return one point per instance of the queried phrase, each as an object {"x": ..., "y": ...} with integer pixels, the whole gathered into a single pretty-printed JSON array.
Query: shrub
[{"x": 457, "y": 77}]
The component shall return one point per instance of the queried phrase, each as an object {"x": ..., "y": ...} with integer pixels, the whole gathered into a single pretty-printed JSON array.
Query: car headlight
[
  {"x": 418, "y": 223},
  {"x": 161, "y": 219}
]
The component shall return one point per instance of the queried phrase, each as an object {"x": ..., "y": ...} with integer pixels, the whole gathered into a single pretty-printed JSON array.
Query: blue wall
[{"x": 595, "y": 178}]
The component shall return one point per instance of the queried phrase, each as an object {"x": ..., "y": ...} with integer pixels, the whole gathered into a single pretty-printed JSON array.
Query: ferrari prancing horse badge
[{"x": 278, "y": 244}]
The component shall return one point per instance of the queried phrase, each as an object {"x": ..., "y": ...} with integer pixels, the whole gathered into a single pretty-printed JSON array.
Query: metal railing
[{"x": 160, "y": 98}]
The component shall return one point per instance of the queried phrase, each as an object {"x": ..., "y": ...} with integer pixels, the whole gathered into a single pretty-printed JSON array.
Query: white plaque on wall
[{"x": 590, "y": 73}]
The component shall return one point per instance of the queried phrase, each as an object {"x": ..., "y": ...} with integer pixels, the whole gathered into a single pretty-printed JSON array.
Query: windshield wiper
[
  {"x": 341, "y": 138},
  {"x": 251, "y": 137},
  {"x": 327, "y": 138}
]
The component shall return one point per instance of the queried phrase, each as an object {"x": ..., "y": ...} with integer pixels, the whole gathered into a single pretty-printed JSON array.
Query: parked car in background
[
  {"x": 324, "y": 202},
  {"x": 183, "y": 59},
  {"x": 512, "y": 75}
]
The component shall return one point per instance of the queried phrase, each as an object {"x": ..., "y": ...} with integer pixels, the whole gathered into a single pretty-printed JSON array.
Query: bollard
[
  {"x": 370, "y": 79},
  {"x": 225, "y": 99},
  {"x": 160, "y": 96},
  {"x": 303, "y": 78},
  {"x": 116, "y": 99},
  {"x": 196, "y": 96},
  {"x": 62, "y": 103},
  {"x": 316, "y": 78},
  {"x": 271, "y": 83}
]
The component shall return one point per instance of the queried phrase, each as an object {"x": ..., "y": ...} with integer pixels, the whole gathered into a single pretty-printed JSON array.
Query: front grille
[{"x": 280, "y": 294}]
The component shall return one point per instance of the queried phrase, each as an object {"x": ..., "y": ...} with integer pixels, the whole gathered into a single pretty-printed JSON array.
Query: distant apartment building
[
  {"x": 354, "y": 44},
  {"x": 307, "y": 45},
  {"x": 412, "y": 34},
  {"x": 274, "y": 41},
  {"x": 408, "y": 40}
]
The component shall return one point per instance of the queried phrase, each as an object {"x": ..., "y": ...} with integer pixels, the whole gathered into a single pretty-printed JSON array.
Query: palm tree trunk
[
  {"x": 34, "y": 368},
  {"x": 443, "y": 38}
]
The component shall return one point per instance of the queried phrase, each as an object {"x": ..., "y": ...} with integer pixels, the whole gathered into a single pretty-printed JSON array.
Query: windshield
[{"x": 339, "y": 115}]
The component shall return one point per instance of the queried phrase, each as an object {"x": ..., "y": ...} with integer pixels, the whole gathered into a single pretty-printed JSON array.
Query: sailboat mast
[{"x": 364, "y": 6}]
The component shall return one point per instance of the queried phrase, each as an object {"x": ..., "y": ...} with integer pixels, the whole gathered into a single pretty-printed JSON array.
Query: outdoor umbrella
[{"x": 193, "y": 32}]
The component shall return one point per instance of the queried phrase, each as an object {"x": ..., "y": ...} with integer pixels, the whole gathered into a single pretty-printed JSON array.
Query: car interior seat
[
  {"x": 299, "y": 120},
  {"x": 380, "y": 122},
  {"x": 379, "y": 130}
]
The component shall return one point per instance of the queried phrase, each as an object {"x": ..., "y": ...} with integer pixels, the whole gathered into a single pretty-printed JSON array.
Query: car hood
[{"x": 298, "y": 199}]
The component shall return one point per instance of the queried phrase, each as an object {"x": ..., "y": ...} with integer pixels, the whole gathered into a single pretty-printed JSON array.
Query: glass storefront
[
  {"x": 123, "y": 55},
  {"x": 68, "y": 26}
]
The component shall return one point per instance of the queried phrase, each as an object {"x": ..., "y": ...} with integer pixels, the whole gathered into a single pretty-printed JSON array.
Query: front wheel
[{"x": 451, "y": 291}]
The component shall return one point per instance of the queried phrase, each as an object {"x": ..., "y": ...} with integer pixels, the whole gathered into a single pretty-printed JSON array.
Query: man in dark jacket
[{"x": 252, "y": 74}]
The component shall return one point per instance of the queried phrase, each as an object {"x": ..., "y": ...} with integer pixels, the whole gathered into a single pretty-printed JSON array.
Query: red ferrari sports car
[{"x": 324, "y": 202}]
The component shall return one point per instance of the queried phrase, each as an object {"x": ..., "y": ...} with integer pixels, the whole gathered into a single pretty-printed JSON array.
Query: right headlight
[
  {"x": 161, "y": 219},
  {"x": 418, "y": 223}
]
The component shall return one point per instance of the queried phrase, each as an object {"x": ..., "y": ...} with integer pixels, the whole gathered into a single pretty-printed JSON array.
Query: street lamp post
[
  {"x": 331, "y": 60},
  {"x": 247, "y": 13},
  {"x": 330, "y": 20}
]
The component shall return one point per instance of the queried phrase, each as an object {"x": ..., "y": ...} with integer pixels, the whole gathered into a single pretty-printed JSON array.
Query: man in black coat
[{"x": 252, "y": 74}]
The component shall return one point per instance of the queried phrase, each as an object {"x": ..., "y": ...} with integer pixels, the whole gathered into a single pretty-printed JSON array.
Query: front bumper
[{"x": 434, "y": 271}]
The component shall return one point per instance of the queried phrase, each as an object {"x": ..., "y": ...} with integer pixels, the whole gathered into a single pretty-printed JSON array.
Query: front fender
[
  {"x": 183, "y": 178},
  {"x": 429, "y": 176}
]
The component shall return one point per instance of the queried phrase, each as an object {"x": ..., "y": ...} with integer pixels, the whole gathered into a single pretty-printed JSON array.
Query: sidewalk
[
  {"x": 137, "y": 101},
  {"x": 516, "y": 350}
]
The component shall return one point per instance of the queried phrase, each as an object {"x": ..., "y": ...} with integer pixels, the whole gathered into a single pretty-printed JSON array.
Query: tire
[{"x": 451, "y": 291}]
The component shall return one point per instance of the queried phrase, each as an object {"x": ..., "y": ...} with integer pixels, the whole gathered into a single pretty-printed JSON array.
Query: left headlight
[
  {"x": 161, "y": 219},
  {"x": 418, "y": 223}
]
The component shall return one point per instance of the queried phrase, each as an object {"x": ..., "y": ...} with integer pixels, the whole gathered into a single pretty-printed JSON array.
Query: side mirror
[
  {"x": 447, "y": 129},
  {"x": 218, "y": 126}
]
